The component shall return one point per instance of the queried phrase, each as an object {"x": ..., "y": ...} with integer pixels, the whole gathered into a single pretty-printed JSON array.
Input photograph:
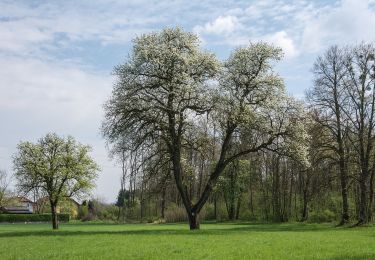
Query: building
[
  {"x": 66, "y": 205},
  {"x": 18, "y": 205}
]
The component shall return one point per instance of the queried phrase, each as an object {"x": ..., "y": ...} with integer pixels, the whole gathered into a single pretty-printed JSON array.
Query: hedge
[{"x": 11, "y": 218}]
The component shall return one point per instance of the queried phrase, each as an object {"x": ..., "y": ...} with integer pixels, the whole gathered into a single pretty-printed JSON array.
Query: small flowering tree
[{"x": 60, "y": 167}]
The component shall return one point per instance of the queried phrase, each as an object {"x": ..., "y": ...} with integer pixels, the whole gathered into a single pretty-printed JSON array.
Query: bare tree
[
  {"x": 360, "y": 88},
  {"x": 328, "y": 98},
  {"x": 4, "y": 185}
]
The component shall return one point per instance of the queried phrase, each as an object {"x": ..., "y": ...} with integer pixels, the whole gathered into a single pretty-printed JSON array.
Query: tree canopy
[{"x": 59, "y": 166}]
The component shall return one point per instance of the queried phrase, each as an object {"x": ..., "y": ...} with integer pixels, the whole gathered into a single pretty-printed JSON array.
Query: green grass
[{"x": 175, "y": 241}]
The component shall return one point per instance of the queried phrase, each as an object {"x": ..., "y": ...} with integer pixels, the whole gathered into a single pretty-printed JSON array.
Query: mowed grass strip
[{"x": 175, "y": 241}]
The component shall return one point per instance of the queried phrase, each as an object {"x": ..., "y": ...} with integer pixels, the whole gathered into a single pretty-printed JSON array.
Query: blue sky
[{"x": 56, "y": 57}]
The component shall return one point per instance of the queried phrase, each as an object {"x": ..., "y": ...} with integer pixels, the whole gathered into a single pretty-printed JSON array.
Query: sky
[{"x": 57, "y": 57}]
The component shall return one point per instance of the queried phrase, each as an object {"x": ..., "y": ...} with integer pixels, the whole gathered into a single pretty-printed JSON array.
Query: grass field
[{"x": 175, "y": 241}]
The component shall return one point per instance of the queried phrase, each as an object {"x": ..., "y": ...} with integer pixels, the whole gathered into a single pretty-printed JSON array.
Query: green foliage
[
  {"x": 122, "y": 198},
  {"x": 247, "y": 215},
  {"x": 96, "y": 210},
  {"x": 209, "y": 212},
  {"x": 60, "y": 166},
  {"x": 109, "y": 212},
  {"x": 322, "y": 216},
  {"x": 82, "y": 212},
  {"x": 13, "y": 218}
]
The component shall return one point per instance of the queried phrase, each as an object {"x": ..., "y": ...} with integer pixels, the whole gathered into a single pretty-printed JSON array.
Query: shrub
[
  {"x": 209, "y": 212},
  {"x": 175, "y": 214},
  {"x": 108, "y": 212},
  {"x": 159, "y": 221},
  {"x": 320, "y": 217},
  {"x": 12, "y": 218},
  {"x": 178, "y": 214},
  {"x": 83, "y": 211},
  {"x": 247, "y": 215}
]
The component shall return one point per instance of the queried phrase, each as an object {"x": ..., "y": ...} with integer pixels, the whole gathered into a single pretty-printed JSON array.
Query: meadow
[{"x": 175, "y": 241}]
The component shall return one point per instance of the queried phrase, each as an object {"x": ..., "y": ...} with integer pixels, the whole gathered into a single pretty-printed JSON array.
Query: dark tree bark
[
  {"x": 238, "y": 207},
  {"x": 363, "y": 214},
  {"x": 55, "y": 221},
  {"x": 371, "y": 195},
  {"x": 305, "y": 211},
  {"x": 193, "y": 220},
  {"x": 163, "y": 201}
]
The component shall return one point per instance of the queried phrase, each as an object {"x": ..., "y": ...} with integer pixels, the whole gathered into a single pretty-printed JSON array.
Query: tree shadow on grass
[
  {"x": 63, "y": 233},
  {"x": 206, "y": 230},
  {"x": 278, "y": 227}
]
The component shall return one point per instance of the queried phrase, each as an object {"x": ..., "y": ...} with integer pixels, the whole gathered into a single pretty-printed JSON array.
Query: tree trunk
[
  {"x": 344, "y": 184},
  {"x": 163, "y": 201},
  {"x": 193, "y": 220},
  {"x": 305, "y": 211},
  {"x": 238, "y": 207},
  {"x": 371, "y": 196},
  {"x": 119, "y": 214},
  {"x": 362, "y": 217},
  {"x": 215, "y": 206},
  {"x": 55, "y": 221},
  {"x": 231, "y": 213},
  {"x": 344, "y": 195}
]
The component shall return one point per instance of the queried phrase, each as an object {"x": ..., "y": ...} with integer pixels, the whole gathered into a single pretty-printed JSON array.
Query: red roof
[{"x": 22, "y": 199}]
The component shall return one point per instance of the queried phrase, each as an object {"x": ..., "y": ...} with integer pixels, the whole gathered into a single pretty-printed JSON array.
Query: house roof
[
  {"x": 21, "y": 199},
  {"x": 44, "y": 199}
]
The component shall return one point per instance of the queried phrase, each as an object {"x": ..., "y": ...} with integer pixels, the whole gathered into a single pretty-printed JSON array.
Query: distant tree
[
  {"x": 121, "y": 202},
  {"x": 61, "y": 167},
  {"x": 232, "y": 184},
  {"x": 4, "y": 184}
]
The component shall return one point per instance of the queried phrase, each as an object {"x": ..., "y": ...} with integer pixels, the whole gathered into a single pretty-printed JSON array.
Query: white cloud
[
  {"x": 16, "y": 36},
  {"x": 221, "y": 25},
  {"x": 41, "y": 96},
  {"x": 281, "y": 39},
  {"x": 27, "y": 27},
  {"x": 30, "y": 82},
  {"x": 41, "y": 93},
  {"x": 350, "y": 22}
]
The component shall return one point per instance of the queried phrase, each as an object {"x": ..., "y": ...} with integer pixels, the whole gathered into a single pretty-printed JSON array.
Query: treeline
[
  {"x": 265, "y": 187},
  {"x": 331, "y": 180}
]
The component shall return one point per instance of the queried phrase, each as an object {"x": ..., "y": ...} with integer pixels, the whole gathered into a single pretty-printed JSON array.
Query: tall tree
[
  {"x": 328, "y": 98},
  {"x": 167, "y": 83},
  {"x": 360, "y": 88},
  {"x": 61, "y": 167},
  {"x": 4, "y": 185}
]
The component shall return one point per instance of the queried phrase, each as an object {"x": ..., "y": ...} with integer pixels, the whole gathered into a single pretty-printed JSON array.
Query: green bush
[
  {"x": 175, "y": 214},
  {"x": 12, "y": 218},
  {"x": 210, "y": 212},
  {"x": 107, "y": 212},
  {"x": 322, "y": 216},
  {"x": 247, "y": 215}
]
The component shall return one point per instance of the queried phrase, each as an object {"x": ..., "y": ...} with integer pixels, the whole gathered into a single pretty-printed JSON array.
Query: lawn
[{"x": 175, "y": 241}]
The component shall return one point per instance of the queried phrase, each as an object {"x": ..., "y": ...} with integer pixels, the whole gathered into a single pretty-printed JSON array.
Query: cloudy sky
[{"x": 56, "y": 57}]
